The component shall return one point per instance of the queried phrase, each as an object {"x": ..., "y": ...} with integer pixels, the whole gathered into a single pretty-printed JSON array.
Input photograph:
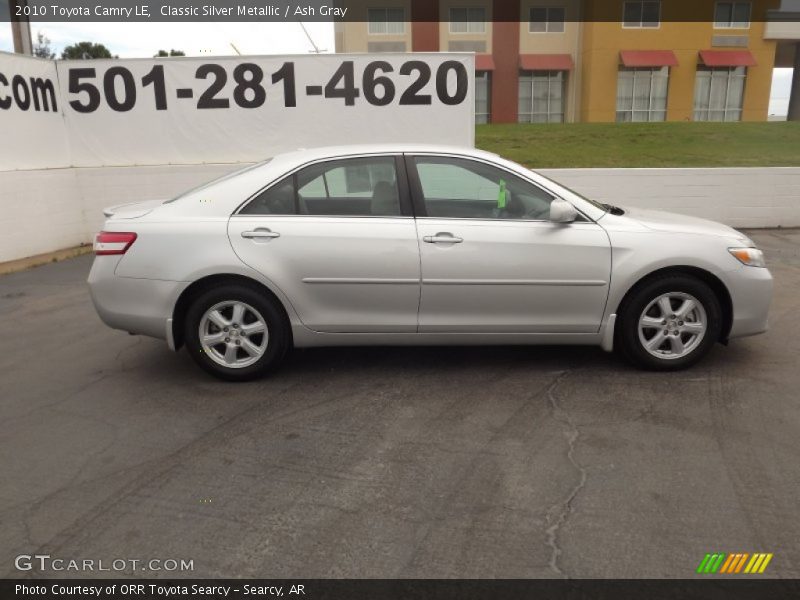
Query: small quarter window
[{"x": 276, "y": 200}]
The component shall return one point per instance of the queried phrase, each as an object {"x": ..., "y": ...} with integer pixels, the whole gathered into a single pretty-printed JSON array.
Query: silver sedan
[{"x": 378, "y": 245}]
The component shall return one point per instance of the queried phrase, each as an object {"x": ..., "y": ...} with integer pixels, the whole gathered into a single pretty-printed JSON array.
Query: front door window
[{"x": 467, "y": 189}]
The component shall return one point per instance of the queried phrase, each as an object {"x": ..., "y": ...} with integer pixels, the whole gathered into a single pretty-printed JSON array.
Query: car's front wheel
[
  {"x": 670, "y": 322},
  {"x": 236, "y": 333}
]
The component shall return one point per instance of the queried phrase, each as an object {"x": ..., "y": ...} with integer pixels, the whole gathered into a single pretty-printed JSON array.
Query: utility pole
[
  {"x": 20, "y": 28},
  {"x": 794, "y": 97},
  {"x": 316, "y": 49}
]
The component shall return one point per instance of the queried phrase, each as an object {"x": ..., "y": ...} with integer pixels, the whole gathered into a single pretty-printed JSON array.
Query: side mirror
[{"x": 562, "y": 211}]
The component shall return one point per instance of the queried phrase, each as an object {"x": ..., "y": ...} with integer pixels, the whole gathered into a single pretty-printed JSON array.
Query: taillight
[{"x": 113, "y": 242}]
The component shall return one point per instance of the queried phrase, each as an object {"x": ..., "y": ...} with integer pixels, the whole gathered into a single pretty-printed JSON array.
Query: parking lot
[{"x": 393, "y": 462}]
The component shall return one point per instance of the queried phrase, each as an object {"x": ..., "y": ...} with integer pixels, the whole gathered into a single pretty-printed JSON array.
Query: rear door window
[
  {"x": 362, "y": 187},
  {"x": 356, "y": 186}
]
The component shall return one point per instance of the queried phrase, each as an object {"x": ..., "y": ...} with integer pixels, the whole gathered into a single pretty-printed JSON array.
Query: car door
[
  {"x": 492, "y": 262},
  {"x": 338, "y": 238}
]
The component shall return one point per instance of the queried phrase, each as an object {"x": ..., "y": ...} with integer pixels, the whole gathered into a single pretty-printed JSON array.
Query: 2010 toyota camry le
[{"x": 413, "y": 245}]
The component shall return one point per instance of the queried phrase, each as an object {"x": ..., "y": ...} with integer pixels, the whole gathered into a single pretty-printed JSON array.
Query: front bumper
[
  {"x": 141, "y": 306},
  {"x": 751, "y": 294}
]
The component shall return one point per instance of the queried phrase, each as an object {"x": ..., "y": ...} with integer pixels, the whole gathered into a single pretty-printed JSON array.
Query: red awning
[
  {"x": 648, "y": 58},
  {"x": 727, "y": 58},
  {"x": 546, "y": 62},
  {"x": 484, "y": 62}
]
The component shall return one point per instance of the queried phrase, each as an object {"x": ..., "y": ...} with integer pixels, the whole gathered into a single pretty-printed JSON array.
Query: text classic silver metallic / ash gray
[{"x": 366, "y": 245}]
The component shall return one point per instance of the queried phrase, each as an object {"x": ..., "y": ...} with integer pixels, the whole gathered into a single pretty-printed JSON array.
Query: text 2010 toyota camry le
[{"x": 418, "y": 245}]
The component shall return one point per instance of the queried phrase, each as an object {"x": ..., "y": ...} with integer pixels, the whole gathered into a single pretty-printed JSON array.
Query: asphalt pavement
[{"x": 392, "y": 462}]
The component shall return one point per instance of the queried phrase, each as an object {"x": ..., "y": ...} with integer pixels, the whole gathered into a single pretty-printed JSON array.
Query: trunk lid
[{"x": 132, "y": 210}]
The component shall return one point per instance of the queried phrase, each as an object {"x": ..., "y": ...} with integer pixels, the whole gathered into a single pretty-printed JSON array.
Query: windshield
[
  {"x": 595, "y": 203},
  {"x": 218, "y": 180}
]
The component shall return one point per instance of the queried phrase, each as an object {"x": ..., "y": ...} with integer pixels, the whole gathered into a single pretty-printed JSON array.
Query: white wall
[
  {"x": 51, "y": 209},
  {"x": 103, "y": 187},
  {"x": 47, "y": 210},
  {"x": 739, "y": 197}
]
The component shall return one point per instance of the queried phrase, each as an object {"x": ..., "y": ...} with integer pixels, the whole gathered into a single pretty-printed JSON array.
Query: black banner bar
[
  {"x": 291, "y": 11},
  {"x": 733, "y": 588}
]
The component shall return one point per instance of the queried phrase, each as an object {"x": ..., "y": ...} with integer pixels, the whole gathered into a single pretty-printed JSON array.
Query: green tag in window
[{"x": 501, "y": 195}]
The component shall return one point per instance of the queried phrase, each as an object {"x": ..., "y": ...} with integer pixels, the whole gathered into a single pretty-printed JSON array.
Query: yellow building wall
[
  {"x": 603, "y": 41},
  {"x": 353, "y": 35}
]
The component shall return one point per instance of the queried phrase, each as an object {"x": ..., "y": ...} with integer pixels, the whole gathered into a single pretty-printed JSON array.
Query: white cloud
[
  {"x": 780, "y": 91},
  {"x": 138, "y": 40},
  {"x": 6, "y": 41}
]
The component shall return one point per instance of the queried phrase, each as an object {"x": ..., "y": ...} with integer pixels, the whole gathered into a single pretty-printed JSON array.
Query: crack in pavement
[
  {"x": 573, "y": 434},
  {"x": 467, "y": 471}
]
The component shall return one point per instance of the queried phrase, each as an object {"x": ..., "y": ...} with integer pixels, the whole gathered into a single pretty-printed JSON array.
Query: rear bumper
[
  {"x": 140, "y": 306},
  {"x": 751, "y": 294}
]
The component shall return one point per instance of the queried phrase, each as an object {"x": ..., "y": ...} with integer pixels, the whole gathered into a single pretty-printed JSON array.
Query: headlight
[{"x": 752, "y": 257}]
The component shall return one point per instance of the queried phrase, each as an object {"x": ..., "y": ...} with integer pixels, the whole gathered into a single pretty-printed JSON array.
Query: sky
[
  {"x": 779, "y": 96},
  {"x": 137, "y": 40}
]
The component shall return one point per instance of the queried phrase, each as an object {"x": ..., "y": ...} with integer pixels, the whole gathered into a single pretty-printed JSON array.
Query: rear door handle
[
  {"x": 443, "y": 237},
  {"x": 260, "y": 233}
]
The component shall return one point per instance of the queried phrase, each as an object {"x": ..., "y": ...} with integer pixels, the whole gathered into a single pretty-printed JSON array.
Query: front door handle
[
  {"x": 443, "y": 237},
  {"x": 260, "y": 233}
]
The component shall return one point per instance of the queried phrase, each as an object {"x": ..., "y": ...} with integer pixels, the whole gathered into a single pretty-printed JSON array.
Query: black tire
[
  {"x": 277, "y": 329},
  {"x": 628, "y": 339}
]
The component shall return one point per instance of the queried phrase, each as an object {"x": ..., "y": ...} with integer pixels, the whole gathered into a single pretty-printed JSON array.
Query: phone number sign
[{"x": 237, "y": 109}]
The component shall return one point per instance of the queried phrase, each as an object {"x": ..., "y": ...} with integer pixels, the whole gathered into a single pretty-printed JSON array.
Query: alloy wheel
[
  {"x": 672, "y": 325},
  {"x": 233, "y": 334}
]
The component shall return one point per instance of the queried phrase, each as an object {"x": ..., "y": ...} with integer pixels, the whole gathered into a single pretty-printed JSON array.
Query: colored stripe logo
[{"x": 741, "y": 562}]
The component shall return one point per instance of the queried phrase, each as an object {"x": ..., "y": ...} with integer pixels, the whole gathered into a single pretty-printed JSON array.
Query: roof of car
[
  {"x": 231, "y": 190},
  {"x": 302, "y": 155}
]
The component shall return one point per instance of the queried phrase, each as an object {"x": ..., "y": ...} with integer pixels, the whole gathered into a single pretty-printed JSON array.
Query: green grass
[{"x": 775, "y": 144}]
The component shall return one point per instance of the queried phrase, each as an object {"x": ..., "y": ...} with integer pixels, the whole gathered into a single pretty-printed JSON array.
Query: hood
[
  {"x": 132, "y": 210},
  {"x": 658, "y": 220}
]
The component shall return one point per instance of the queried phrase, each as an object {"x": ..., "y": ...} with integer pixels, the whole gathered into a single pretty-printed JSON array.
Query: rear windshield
[{"x": 225, "y": 177}]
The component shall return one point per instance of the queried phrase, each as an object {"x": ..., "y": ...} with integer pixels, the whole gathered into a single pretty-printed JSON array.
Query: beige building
[{"x": 620, "y": 60}]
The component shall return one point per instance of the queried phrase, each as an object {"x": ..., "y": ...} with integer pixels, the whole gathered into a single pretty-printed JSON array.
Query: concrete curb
[{"x": 22, "y": 264}]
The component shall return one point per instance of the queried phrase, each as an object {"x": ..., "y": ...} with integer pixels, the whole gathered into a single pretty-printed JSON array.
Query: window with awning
[
  {"x": 542, "y": 87},
  {"x": 484, "y": 62},
  {"x": 719, "y": 93},
  {"x": 727, "y": 58},
  {"x": 642, "y": 93},
  {"x": 541, "y": 96}
]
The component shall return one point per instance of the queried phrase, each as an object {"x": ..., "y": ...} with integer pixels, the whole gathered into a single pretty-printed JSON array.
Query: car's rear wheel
[
  {"x": 670, "y": 322},
  {"x": 236, "y": 333}
]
